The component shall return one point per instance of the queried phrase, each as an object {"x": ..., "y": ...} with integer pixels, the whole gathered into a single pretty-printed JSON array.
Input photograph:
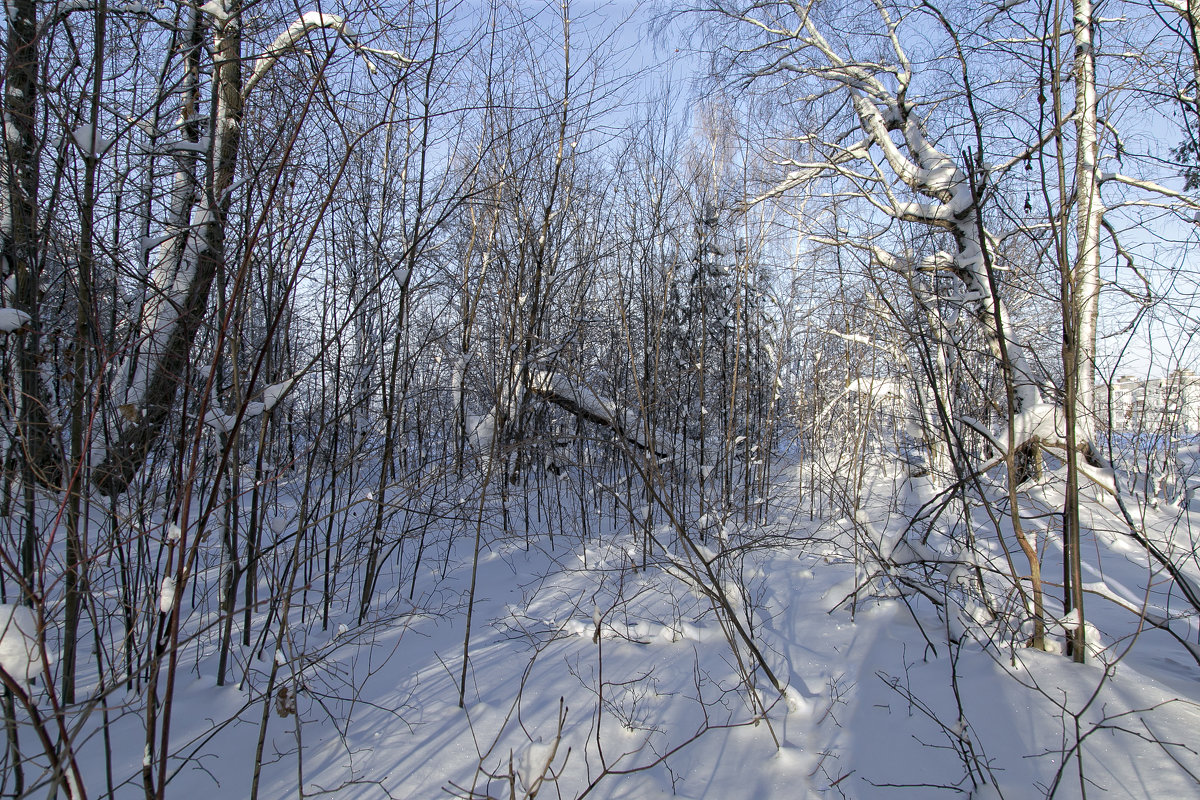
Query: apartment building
[{"x": 1153, "y": 405}]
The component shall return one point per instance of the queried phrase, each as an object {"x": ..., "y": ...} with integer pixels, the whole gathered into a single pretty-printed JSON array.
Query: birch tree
[
  {"x": 194, "y": 241},
  {"x": 942, "y": 142}
]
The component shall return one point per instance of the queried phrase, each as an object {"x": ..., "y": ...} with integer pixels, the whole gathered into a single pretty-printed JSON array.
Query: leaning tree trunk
[
  {"x": 185, "y": 277},
  {"x": 182, "y": 276}
]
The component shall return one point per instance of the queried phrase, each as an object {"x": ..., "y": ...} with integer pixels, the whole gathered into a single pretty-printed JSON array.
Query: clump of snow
[
  {"x": 968, "y": 617},
  {"x": 1093, "y": 640},
  {"x": 697, "y": 633},
  {"x": 12, "y": 319},
  {"x": 20, "y": 653},
  {"x": 217, "y": 9},
  {"x": 174, "y": 532},
  {"x": 224, "y": 423},
  {"x": 533, "y": 763},
  {"x": 148, "y": 243},
  {"x": 88, "y": 140},
  {"x": 219, "y": 421},
  {"x": 797, "y": 703},
  {"x": 273, "y": 393},
  {"x": 166, "y": 596}
]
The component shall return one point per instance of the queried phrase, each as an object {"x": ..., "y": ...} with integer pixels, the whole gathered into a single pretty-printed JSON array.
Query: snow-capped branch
[
  {"x": 64, "y": 8},
  {"x": 311, "y": 21},
  {"x": 1149, "y": 186},
  {"x": 221, "y": 422},
  {"x": 585, "y": 403},
  {"x": 1000, "y": 9},
  {"x": 858, "y": 338},
  {"x": 805, "y": 172},
  {"x": 1180, "y": 7}
]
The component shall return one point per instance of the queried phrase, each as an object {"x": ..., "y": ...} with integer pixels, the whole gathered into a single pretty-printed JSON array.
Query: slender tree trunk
[{"x": 76, "y": 522}]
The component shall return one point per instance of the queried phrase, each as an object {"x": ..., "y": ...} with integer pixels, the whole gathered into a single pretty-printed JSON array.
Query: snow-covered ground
[{"x": 590, "y": 676}]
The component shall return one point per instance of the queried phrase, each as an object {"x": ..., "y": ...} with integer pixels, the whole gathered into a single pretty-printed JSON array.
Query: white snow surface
[
  {"x": 219, "y": 421},
  {"x": 594, "y": 676},
  {"x": 217, "y": 9}
]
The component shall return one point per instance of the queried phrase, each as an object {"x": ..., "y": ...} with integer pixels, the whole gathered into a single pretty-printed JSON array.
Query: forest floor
[{"x": 591, "y": 676}]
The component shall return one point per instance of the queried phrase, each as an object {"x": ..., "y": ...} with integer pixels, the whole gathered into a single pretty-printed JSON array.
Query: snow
[
  {"x": 89, "y": 141},
  {"x": 876, "y": 388},
  {"x": 149, "y": 243},
  {"x": 219, "y": 421},
  {"x": 796, "y": 702},
  {"x": 599, "y": 408},
  {"x": 534, "y": 763},
  {"x": 216, "y": 8},
  {"x": 171, "y": 282},
  {"x": 20, "y": 652},
  {"x": 284, "y": 42},
  {"x": 185, "y": 146},
  {"x": 275, "y": 392},
  {"x": 166, "y": 595},
  {"x": 886, "y": 687},
  {"x": 68, "y": 6},
  {"x": 12, "y": 320}
]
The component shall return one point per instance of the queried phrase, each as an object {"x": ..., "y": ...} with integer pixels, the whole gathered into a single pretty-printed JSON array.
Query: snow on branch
[
  {"x": 64, "y": 8},
  {"x": 585, "y": 403},
  {"x": 858, "y": 338},
  {"x": 1180, "y": 7},
  {"x": 873, "y": 390},
  {"x": 805, "y": 172},
  {"x": 1149, "y": 186},
  {"x": 311, "y": 21},
  {"x": 224, "y": 423}
]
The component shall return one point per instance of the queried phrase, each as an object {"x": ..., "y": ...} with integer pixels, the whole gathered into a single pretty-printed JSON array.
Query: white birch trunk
[
  {"x": 187, "y": 265},
  {"x": 1090, "y": 210}
]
